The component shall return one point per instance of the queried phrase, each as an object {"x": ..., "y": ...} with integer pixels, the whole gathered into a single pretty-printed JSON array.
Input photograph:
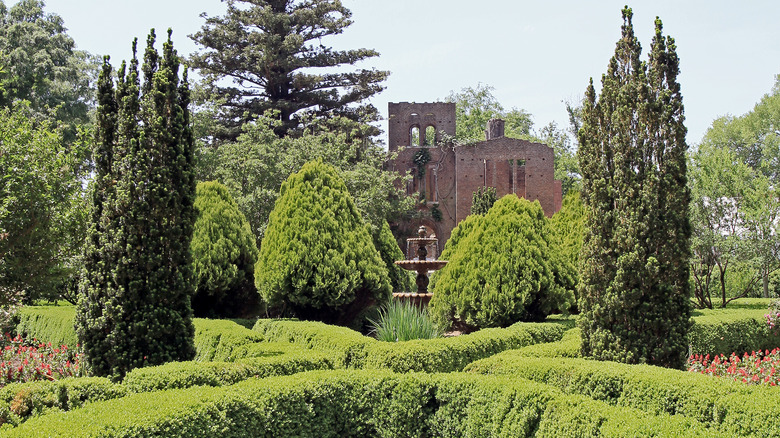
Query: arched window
[
  {"x": 414, "y": 133},
  {"x": 430, "y": 136}
]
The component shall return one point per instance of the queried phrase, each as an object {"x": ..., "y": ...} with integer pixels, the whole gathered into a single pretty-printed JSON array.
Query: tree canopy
[
  {"x": 255, "y": 166},
  {"x": 42, "y": 66},
  {"x": 736, "y": 205},
  {"x": 269, "y": 55},
  {"x": 41, "y": 207},
  {"x": 475, "y": 106},
  {"x": 317, "y": 259}
]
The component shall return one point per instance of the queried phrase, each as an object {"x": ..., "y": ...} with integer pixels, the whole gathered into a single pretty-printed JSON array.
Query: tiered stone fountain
[{"x": 422, "y": 265}]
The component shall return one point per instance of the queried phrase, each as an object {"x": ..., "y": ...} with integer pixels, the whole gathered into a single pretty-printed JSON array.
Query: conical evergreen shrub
[
  {"x": 501, "y": 269},
  {"x": 223, "y": 256},
  {"x": 317, "y": 260}
]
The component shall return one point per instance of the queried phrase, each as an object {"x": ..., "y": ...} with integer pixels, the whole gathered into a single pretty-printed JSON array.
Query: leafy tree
[
  {"x": 317, "y": 260},
  {"x": 134, "y": 305},
  {"x": 719, "y": 182},
  {"x": 223, "y": 256},
  {"x": 754, "y": 136},
  {"x": 254, "y": 168},
  {"x": 500, "y": 269},
  {"x": 752, "y": 140},
  {"x": 634, "y": 294},
  {"x": 475, "y": 106},
  {"x": 567, "y": 169},
  {"x": 401, "y": 280},
  {"x": 482, "y": 200},
  {"x": 40, "y": 200},
  {"x": 270, "y": 49},
  {"x": 43, "y": 67}
]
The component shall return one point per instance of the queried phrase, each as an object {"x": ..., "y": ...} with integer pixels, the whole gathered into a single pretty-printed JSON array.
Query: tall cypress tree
[
  {"x": 634, "y": 292},
  {"x": 134, "y": 305}
]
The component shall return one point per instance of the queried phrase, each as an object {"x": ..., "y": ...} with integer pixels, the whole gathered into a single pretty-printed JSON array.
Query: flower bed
[
  {"x": 757, "y": 368},
  {"x": 28, "y": 362}
]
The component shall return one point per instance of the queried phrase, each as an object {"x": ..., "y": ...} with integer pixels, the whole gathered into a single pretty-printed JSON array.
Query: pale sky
[{"x": 535, "y": 54}]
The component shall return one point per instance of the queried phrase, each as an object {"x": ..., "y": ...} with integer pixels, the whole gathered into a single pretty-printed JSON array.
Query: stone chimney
[{"x": 495, "y": 129}]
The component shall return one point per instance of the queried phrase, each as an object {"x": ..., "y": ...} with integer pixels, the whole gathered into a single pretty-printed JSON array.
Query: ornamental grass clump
[
  {"x": 401, "y": 321},
  {"x": 757, "y": 368},
  {"x": 22, "y": 361}
]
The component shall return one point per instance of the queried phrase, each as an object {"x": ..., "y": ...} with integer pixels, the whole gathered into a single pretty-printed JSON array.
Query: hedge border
[
  {"x": 360, "y": 403},
  {"x": 733, "y": 407}
]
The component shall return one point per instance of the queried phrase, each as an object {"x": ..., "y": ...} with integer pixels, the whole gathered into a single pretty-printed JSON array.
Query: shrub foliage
[
  {"x": 317, "y": 259},
  {"x": 223, "y": 255},
  {"x": 634, "y": 292},
  {"x": 134, "y": 305},
  {"x": 502, "y": 269}
]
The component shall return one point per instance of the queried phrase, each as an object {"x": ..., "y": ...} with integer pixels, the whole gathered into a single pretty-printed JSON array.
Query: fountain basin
[{"x": 421, "y": 265}]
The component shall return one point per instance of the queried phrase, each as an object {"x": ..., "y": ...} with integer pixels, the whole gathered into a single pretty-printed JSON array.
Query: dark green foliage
[
  {"x": 265, "y": 55},
  {"x": 40, "y": 64},
  {"x": 317, "y": 259},
  {"x": 363, "y": 404},
  {"x": 482, "y": 200},
  {"x": 349, "y": 349},
  {"x": 400, "y": 279},
  {"x": 634, "y": 291},
  {"x": 502, "y": 269},
  {"x": 223, "y": 256},
  {"x": 731, "y": 408},
  {"x": 134, "y": 304}
]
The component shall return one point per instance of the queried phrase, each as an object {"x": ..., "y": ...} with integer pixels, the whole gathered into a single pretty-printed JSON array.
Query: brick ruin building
[{"x": 452, "y": 173}]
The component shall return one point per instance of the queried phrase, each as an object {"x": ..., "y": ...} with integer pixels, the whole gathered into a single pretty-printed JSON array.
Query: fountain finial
[{"x": 422, "y": 232}]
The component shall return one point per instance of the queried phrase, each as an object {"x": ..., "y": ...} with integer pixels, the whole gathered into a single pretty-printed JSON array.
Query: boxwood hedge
[
  {"x": 350, "y": 349},
  {"x": 360, "y": 403},
  {"x": 732, "y": 407}
]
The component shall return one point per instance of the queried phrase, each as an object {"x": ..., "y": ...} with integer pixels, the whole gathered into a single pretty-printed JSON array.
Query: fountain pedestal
[{"x": 422, "y": 265}]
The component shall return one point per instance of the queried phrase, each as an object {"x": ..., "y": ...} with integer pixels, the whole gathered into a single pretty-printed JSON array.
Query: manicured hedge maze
[
  {"x": 362, "y": 403},
  {"x": 293, "y": 378}
]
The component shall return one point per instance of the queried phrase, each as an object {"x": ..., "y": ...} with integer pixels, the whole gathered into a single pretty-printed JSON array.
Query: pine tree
[
  {"x": 223, "y": 256},
  {"x": 634, "y": 293},
  {"x": 317, "y": 260},
  {"x": 134, "y": 304},
  {"x": 268, "y": 49}
]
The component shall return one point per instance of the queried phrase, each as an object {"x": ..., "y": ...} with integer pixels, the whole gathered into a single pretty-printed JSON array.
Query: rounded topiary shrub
[
  {"x": 501, "y": 270},
  {"x": 223, "y": 256},
  {"x": 317, "y": 259}
]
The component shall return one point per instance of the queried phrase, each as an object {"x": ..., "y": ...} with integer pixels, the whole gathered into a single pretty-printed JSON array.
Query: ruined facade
[{"x": 445, "y": 177}]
